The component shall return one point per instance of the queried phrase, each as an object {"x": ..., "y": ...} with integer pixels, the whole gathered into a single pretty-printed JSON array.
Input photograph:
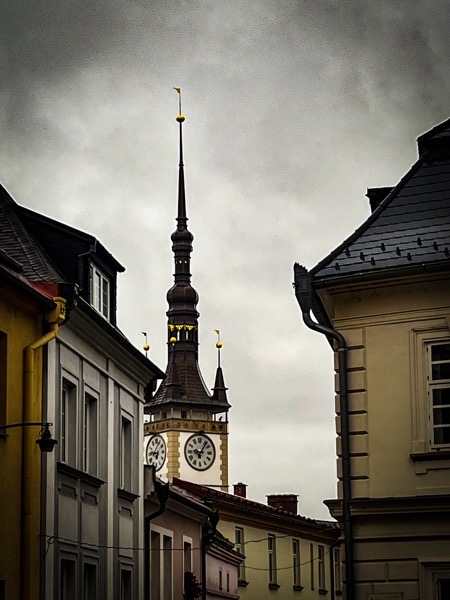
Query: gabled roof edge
[{"x": 373, "y": 217}]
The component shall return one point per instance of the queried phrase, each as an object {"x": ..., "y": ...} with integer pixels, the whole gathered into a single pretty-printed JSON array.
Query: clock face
[
  {"x": 200, "y": 452},
  {"x": 156, "y": 452}
]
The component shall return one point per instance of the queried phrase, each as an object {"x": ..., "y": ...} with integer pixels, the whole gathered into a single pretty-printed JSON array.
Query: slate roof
[
  {"x": 17, "y": 243},
  {"x": 410, "y": 229},
  {"x": 245, "y": 504}
]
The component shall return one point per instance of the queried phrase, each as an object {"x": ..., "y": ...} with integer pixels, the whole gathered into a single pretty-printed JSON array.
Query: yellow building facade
[{"x": 24, "y": 311}]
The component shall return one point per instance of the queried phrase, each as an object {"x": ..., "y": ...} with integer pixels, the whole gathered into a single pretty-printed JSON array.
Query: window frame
[
  {"x": 337, "y": 569},
  {"x": 3, "y": 379},
  {"x": 239, "y": 547},
  {"x": 90, "y": 441},
  {"x": 321, "y": 571},
  {"x": 90, "y": 564},
  {"x": 68, "y": 420},
  {"x": 420, "y": 338},
  {"x": 68, "y": 590},
  {"x": 296, "y": 570},
  {"x": 432, "y": 385},
  {"x": 272, "y": 558},
  {"x": 126, "y": 452},
  {"x": 161, "y": 569},
  {"x": 187, "y": 557},
  {"x": 97, "y": 293}
]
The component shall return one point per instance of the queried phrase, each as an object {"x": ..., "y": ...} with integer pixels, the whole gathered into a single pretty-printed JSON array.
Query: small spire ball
[
  {"x": 146, "y": 347},
  {"x": 219, "y": 345},
  {"x": 181, "y": 118},
  {"x": 173, "y": 340}
]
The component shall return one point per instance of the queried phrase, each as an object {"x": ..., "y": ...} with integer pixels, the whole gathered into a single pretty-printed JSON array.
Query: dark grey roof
[
  {"x": 17, "y": 243},
  {"x": 410, "y": 229}
]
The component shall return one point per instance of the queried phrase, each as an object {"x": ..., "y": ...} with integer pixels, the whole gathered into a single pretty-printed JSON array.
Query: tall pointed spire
[
  {"x": 182, "y": 297},
  {"x": 184, "y": 383}
]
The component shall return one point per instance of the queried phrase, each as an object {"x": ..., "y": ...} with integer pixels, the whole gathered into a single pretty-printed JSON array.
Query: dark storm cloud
[
  {"x": 293, "y": 108},
  {"x": 42, "y": 42}
]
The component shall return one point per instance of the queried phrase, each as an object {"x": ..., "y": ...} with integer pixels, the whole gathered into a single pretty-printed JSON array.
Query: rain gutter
[
  {"x": 304, "y": 293},
  {"x": 31, "y": 404}
]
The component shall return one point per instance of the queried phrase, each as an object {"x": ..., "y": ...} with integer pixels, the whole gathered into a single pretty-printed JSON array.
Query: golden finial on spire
[
  {"x": 219, "y": 343},
  {"x": 218, "y": 346},
  {"x": 180, "y": 117},
  {"x": 146, "y": 346}
]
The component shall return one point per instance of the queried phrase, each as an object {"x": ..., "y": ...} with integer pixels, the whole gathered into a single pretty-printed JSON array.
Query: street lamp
[{"x": 45, "y": 441}]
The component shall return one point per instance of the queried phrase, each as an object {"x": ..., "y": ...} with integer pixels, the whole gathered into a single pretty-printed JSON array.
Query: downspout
[
  {"x": 30, "y": 466},
  {"x": 303, "y": 293},
  {"x": 162, "y": 492}
]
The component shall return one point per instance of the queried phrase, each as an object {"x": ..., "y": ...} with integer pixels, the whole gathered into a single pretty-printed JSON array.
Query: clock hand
[{"x": 202, "y": 450}]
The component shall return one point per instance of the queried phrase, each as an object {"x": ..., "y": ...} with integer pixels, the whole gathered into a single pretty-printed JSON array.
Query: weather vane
[
  {"x": 146, "y": 346},
  {"x": 180, "y": 117},
  {"x": 218, "y": 345}
]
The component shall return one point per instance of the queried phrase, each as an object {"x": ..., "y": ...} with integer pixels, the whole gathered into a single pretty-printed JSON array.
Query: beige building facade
[
  {"x": 287, "y": 556},
  {"x": 386, "y": 290}
]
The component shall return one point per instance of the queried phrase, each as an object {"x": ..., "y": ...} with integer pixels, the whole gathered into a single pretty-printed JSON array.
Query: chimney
[
  {"x": 287, "y": 502},
  {"x": 240, "y": 489},
  {"x": 377, "y": 195}
]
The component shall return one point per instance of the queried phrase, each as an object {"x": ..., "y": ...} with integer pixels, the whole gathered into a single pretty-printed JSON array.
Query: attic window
[{"x": 100, "y": 291}]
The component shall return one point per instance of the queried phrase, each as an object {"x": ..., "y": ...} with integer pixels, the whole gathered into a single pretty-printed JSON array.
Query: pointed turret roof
[
  {"x": 184, "y": 385},
  {"x": 410, "y": 228}
]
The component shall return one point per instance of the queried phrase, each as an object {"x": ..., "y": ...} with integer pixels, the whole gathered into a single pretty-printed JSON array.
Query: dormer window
[{"x": 100, "y": 292}]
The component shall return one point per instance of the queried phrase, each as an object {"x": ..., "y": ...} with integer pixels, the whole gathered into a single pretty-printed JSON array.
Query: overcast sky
[{"x": 293, "y": 108}]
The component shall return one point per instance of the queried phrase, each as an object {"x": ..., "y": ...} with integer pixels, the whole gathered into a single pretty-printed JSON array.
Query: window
[
  {"x": 337, "y": 569},
  {"x": 220, "y": 580},
  {"x": 430, "y": 401},
  {"x": 296, "y": 563},
  {"x": 187, "y": 556},
  {"x": 187, "y": 559},
  {"x": 3, "y": 374},
  {"x": 311, "y": 565},
  {"x": 271, "y": 545},
  {"x": 184, "y": 414},
  {"x": 239, "y": 546},
  {"x": 68, "y": 426},
  {"x": 228, "y": 582},
  {"x": 90, "y": 432},
  {"x": 436, "y": 581},
  {"x": 125, "y": 454},
  {"x": 167, "y": 567},
  {"x": 67, "y": 581},
  {"x": 161, "y": 565},
  {"x": 100, "y": 292},
  {"x": 89, "y": 582},
  {"x": 439, "y": 393},
  {"x": 321, "y": 566},
  {"x": 125, "y": 584}
]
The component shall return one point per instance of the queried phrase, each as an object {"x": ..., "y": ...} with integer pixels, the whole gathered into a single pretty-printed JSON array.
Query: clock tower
[{"x": 187, "y": 434}]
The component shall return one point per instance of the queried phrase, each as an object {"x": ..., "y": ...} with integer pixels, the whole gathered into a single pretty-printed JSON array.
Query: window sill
[
  {"x": 435, "y": 455},
  {"x": 77, "y": 474},
  {"x": 242, "y": 583},
  {"x": 126, "y": 495},
  {"x": 273, "y": 586},
  {"x": 322, "y": 592},
  {"x": 297, "y": 588}
]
